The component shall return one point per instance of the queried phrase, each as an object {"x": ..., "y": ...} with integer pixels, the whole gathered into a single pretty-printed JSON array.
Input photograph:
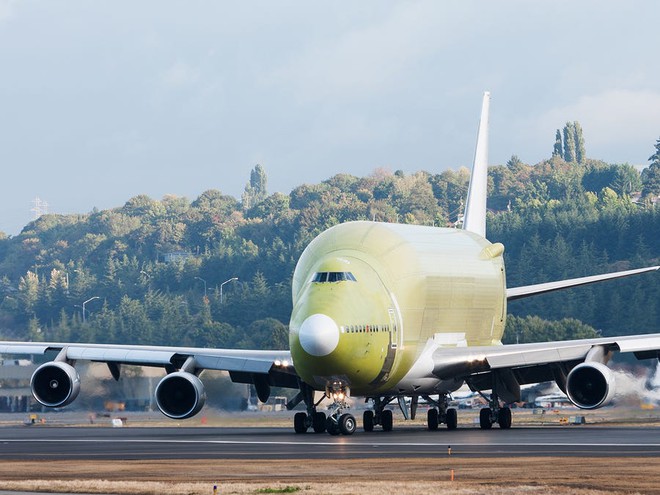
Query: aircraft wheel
[
  {"x": 432, "y": 419},
  {"x": 386, "y": 420},
  {"x": 368, "y": 421},
  {"x": 347, "y": 424},
  {"x": 319, "y": 422},
  {"x": 504, "y": 418},
  {"x": 452, "y": 419},
  {"x": 299, "y": 422},
  {"x": 331, "y": 426},
  {"x": 484, "y": 419}
]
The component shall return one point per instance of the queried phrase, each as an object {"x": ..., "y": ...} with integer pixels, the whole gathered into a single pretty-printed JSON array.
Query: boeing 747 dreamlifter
[{"x": 386, "y": 312}]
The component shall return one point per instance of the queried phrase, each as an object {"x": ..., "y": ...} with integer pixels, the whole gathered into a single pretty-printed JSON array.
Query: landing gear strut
[{"x": 441, "y": 413}]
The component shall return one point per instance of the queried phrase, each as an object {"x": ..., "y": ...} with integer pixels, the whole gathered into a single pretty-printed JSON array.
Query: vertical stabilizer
[{"x": 475, "y": 209}]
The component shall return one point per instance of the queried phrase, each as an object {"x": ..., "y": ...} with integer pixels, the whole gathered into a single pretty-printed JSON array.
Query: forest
[{"x": 216, "y": 271}]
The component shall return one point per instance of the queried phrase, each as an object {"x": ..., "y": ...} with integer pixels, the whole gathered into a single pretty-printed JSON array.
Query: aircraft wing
[
  {"x": 532, "y": 290},
  {"x": 518, "y": 364},
  {"x": 243, "y": 365}
]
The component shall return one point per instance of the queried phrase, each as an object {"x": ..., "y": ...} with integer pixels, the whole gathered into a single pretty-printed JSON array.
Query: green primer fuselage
[{"x": 412, "y": 284}]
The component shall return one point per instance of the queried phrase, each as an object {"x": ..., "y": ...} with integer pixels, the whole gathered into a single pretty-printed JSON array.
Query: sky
[{"x": 101, "y": 101}]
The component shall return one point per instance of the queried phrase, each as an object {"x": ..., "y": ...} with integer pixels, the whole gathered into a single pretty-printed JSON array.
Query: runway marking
[{"x": 338, "y": 444}]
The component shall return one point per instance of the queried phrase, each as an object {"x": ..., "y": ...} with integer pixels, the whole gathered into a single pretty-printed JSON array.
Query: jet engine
[
  {"x": 180, "y": 395},
  {"x": 55, "y": 384},
  {"x": 590, "y": 385}
]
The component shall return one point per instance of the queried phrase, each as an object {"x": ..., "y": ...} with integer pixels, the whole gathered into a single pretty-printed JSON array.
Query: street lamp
[
  {"x": 200, "y": 278},
  {"x": 85, "y": 302},
  {"x": 233, "y": 279}
]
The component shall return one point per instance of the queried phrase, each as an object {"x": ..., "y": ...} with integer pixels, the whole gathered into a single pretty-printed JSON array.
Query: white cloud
[
  {"x": 180, "y": 75},
  {"x": 364, "y": 59}
]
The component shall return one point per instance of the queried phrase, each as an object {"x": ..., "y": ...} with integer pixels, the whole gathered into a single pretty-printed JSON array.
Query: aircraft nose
[{"x": 318, "y": 335}]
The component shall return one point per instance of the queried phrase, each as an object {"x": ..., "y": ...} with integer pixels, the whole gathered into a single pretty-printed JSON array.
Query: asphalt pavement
[{"x": 39, "y": 442}]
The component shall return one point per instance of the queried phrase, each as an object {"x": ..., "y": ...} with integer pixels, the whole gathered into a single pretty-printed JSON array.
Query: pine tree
[
  {"x": 651, "y": 175},
  {"x": 558, "y": 150},
  {"x": 655, "y": 157},
  {"x": 580, "y": 153},
  {"x": 569, "y": 142}
]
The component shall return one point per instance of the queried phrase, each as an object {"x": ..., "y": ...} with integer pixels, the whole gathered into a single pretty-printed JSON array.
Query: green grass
[{"x": 286, "y": 489}]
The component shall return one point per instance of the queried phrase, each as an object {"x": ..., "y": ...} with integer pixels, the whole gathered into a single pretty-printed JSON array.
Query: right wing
[{"x": 532, "y": 290}]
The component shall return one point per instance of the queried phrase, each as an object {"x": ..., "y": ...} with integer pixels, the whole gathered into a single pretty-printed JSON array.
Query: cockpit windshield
[{"x": 321, "y": 277}]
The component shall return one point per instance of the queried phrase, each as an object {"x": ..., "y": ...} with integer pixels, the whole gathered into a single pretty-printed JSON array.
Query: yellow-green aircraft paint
[
  {"x": 403, "y": 287},
  {"x": 409, "y": 284}
]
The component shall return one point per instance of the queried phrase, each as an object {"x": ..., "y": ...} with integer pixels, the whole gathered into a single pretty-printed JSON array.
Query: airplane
[{"x": 387, "y": 312}]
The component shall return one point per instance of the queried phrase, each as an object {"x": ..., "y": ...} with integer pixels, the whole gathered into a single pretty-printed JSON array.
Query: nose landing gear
[
  {"x": 337, "y": 422},
  {"x": 342, "y": 423}
]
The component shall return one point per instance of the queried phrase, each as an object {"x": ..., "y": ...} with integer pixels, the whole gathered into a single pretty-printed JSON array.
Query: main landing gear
[
  {"x": 441, "y": 413},
  {"x": 492, "y": 414},
  {"x": 337, "y": 422},
  {"x": 438, "y": 413},
  {"x": 379, "y": 416}
]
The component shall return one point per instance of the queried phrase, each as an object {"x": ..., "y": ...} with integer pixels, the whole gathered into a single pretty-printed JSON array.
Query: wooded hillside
[{"x": 152, "y": 271}]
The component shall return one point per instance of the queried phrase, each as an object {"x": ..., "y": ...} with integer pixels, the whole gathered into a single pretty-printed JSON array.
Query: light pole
[
  {"x": 233, "y": 279},
  {"x": 85, "y": 302},
  {"x": 200, "y": 278}
]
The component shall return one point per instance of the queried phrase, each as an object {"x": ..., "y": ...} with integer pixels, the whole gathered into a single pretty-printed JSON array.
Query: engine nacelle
[
  {"x": 180, "y": 395},
  {"x": 590, "y": 385},
  {"x": 55, "y": 384}
]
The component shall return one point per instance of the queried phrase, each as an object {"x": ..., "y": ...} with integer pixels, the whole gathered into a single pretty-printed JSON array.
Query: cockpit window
[{"x": 321, "y": 277}]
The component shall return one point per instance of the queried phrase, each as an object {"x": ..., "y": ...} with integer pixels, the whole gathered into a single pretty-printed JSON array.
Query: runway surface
[{"x": 62, "y": 443}]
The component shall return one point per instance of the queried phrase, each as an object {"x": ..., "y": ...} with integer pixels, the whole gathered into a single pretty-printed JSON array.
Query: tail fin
[{"x": 475, "y": 208}]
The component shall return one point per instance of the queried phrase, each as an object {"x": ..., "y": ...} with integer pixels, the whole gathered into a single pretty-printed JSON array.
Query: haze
[{"x": 101, "y": 101}]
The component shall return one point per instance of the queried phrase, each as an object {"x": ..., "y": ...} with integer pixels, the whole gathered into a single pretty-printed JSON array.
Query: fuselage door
[{"x": 394, "y": 328}]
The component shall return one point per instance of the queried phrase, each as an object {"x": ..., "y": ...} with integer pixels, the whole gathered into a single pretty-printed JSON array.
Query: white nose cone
[{"x": 318, "y": 335}]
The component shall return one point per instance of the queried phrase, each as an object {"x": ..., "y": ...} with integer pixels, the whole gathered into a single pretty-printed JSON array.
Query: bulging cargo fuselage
[{"x": 369, "y": 297}]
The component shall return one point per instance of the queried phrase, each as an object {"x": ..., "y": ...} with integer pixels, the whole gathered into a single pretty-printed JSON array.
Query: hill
[{"x": 160, "y": 271}]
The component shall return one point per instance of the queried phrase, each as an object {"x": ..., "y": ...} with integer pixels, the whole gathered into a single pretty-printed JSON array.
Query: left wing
[
  {"x": 56, "y": 383},
  {"x": 578, "y": 366}
]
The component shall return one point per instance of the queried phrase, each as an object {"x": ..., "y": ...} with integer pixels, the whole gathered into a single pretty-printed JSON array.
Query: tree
[
  {"x": 28, "y": 292},
  {"x": 651, "y": 175},
  {"x": 569, "y": 142},
  {"x": 535, "y": 329},
  {"x": 256, "y": 190},
  {"x": 515, "y": 164},
  {"x": 626, "y": 180},
  {"x": 558, "y": 149},
  {"x": 580, "y": 153}
]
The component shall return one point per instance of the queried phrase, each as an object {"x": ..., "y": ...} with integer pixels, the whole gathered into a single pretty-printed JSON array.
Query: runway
[{"x": 69, "y": 443}]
